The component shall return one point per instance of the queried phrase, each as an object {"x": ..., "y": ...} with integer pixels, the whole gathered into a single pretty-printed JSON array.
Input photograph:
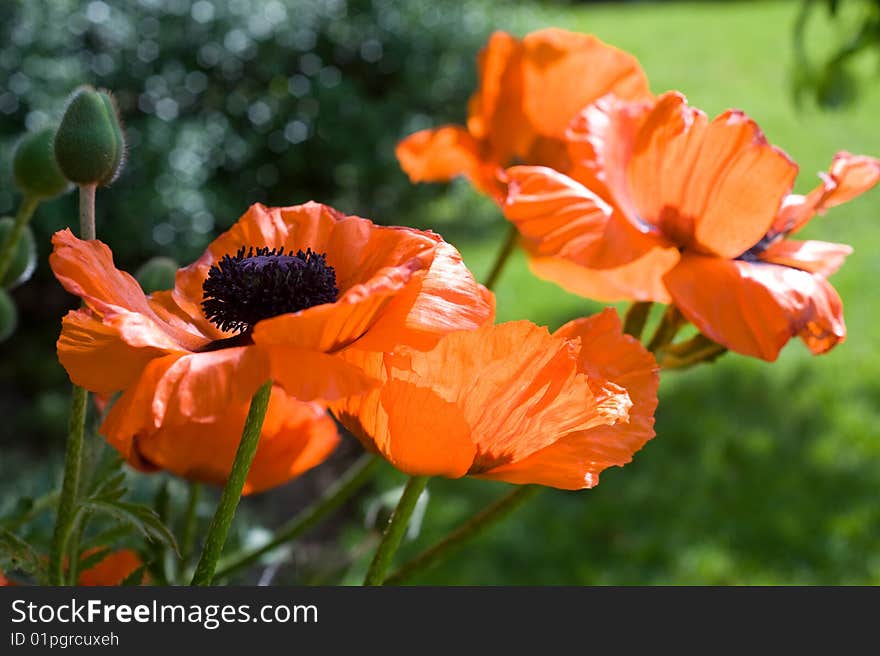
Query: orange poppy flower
[
  {"x": 664, "y": 205},
  {"x": 4, "y": 581},
  {"x": 529, "y": 91},
  {"x": 277, "y": 296},
  {"x": 512, "y": 402},
  {"x": 111, "y": 570}
]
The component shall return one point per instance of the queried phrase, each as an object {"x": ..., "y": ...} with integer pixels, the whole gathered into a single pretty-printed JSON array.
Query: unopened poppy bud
[
  {"x": 8, "y": 316},
  {"x": 89, "y": 145},
  {"x": 34, "y": 166},
  {"x": 24, "y": 258},
  {"x": 157, "y": 274}
]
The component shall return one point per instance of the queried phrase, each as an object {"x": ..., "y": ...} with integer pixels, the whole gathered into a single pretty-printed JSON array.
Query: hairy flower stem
[
  {"x": 73, "y": 458},
  {"x": 7, "y": 250},
  {"x": 395, "y": 530},
  {"x": 471, "y": 529},
  {"x": 351, "y": 481},
  {"x": 636, "y": 317},
  {"x": 501, "y": 259},
  {"x": 225, "y": 512},
  {"x": 667, "y": 329},
  {"x": 67, "y": 504}
]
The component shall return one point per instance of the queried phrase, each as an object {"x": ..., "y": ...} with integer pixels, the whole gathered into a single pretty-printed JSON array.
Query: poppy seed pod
[
  {"x": 89, "y": 145},
  {"x": 24, "y": 257},
  {"x": 34, "y": 166}
]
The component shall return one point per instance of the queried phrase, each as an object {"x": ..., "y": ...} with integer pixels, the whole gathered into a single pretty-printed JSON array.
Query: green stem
[
  {"x": 7, "y": 250},
  {"x": 87, "y": 212},
  {"x": 474, "y": 527},
  {"x": 502, "y": 257},
  {"x": 344, "y": 488},
  {"x": 225, "y": 512},
  {"x": 395, "y": 530},
  {"x": 70, "y": 487},
  {"x": 636, "y": 317},
  {"x": 667, "y": 329}
]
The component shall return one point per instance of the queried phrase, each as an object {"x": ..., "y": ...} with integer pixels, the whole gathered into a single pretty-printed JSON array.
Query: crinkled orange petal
[
  {"x": 175, "y": 390},
  {"x": 820, "y": 257},
  {"x": 559, "y": 217},
  {"x": 312, "y": 375},
  {"x": 443, "y": 153},
  {"x": 98, "y": 358},
  {"x": 849, "y": 176},
  {"x": 714, "y": 187},
  {"x": 112, "y": 570},
  {"x": 443, "y": 299},
  {"x": 754, "y": 308},
  {"x": 86, "y": 269},
  {"x": 575, "y": 460},
  {"x": 566, "y": 71},
  {"x": 296, "y": 436},
  {"x": 641, "y": 280}
]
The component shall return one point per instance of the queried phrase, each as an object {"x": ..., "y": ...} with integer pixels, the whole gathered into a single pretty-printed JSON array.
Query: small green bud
[
  {"x": 89, "y": 145},
  {"x": 34, "y": 166},
  {"x": 8, "y": 316},
  {"x": 24, "y": 258},
  {"x": 157, "y": 274}
]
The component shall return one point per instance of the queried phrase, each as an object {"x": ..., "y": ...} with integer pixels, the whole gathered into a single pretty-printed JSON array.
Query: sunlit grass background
[{"x": 760, "y": 473}]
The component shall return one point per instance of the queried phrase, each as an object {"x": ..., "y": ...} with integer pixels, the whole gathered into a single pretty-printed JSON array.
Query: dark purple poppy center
[{"x": 256, "y": 284}]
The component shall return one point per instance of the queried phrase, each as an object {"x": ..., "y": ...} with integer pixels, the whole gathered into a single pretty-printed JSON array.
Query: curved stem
[
  {"x": 471, "y": 529},
  {"x": 667, "y": 329},
  {"x": 501, "y": 259},
  {"x": 225, "y": 512},
  {"x": 70, "y": 486},
  {"x": 636, "y": 317},
  {"x": 395, "y": 530},
  {"x": 7, "y": 250},
  {"x": 350, "y": 482}
]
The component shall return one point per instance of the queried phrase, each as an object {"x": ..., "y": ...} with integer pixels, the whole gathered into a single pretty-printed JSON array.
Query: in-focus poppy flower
[
  {"x": 113, "y": 569},
  {"x": 664, "y": 205},
  {"x": 512, "y": 402},
  {"x": 530, "y": 89},
  {"x": 278, "y": 296}
]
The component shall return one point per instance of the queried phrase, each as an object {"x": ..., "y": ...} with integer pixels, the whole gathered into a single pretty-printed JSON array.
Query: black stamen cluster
[{"x": 256, "y": 284}]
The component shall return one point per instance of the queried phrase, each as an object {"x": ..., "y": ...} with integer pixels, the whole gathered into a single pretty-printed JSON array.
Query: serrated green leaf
[
  {"x": 140, "y": 517},
  {"x": 136, "y": 577},
  {"x": 94, "y": 558},
  {"x": 16, "y": 554}
]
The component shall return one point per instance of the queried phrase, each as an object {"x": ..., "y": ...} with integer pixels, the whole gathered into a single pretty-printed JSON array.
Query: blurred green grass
[{"x": 760, "y": 473}]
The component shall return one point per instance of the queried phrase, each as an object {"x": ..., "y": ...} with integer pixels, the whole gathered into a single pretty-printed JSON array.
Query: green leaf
[
  {"x": 136, "y": 577},
  {"x": 94, "y": 558},
  {"x": 16, "y": 554},
  {"x": 138, "y": 516}
]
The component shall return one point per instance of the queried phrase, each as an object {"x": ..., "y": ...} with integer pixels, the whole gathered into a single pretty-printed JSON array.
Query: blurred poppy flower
[
  {"x": 512, "y": 402},
  {"x": 664, "y": 205},
  {"x": 277, "y": 296},
  {"x": 111, "y": 570},
  {"x": 529, "y": 91},
  {"x": 4, "y": 581}
]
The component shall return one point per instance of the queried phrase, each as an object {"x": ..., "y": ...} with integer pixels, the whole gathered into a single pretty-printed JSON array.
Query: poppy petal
[
  {"x": 559, "y": 217},
  {"x": 754, "y": 308},
  {"x": 575, "y": 460},
  {"x": 712, "y": 186},
  {"x": 641, "y": 280},
  {"x": 820, "y": 257},
  {"x": 105, "y": 357},
  {"x": 443, "y": 153},
  {"x": 315, "y": 376},
  {"x": 111, "y": 570},
  {"x": 296, "y": 436},
  {"x": 86, "y": 269},
  {"x": 849, "y": 176}
]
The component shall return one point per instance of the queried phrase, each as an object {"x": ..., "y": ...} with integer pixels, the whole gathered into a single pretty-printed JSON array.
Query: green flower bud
[
  {"x": 34, "y": 166},
  {"x": 157, "y": 274},
  {"x": 24, "y": 258},
  {"x": 89, "y": 145},
  {"x": 8, "y": 316}
]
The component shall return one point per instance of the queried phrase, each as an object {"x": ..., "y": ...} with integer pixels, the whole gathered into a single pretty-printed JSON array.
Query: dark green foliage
[{"x": 24, "y": 259}]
